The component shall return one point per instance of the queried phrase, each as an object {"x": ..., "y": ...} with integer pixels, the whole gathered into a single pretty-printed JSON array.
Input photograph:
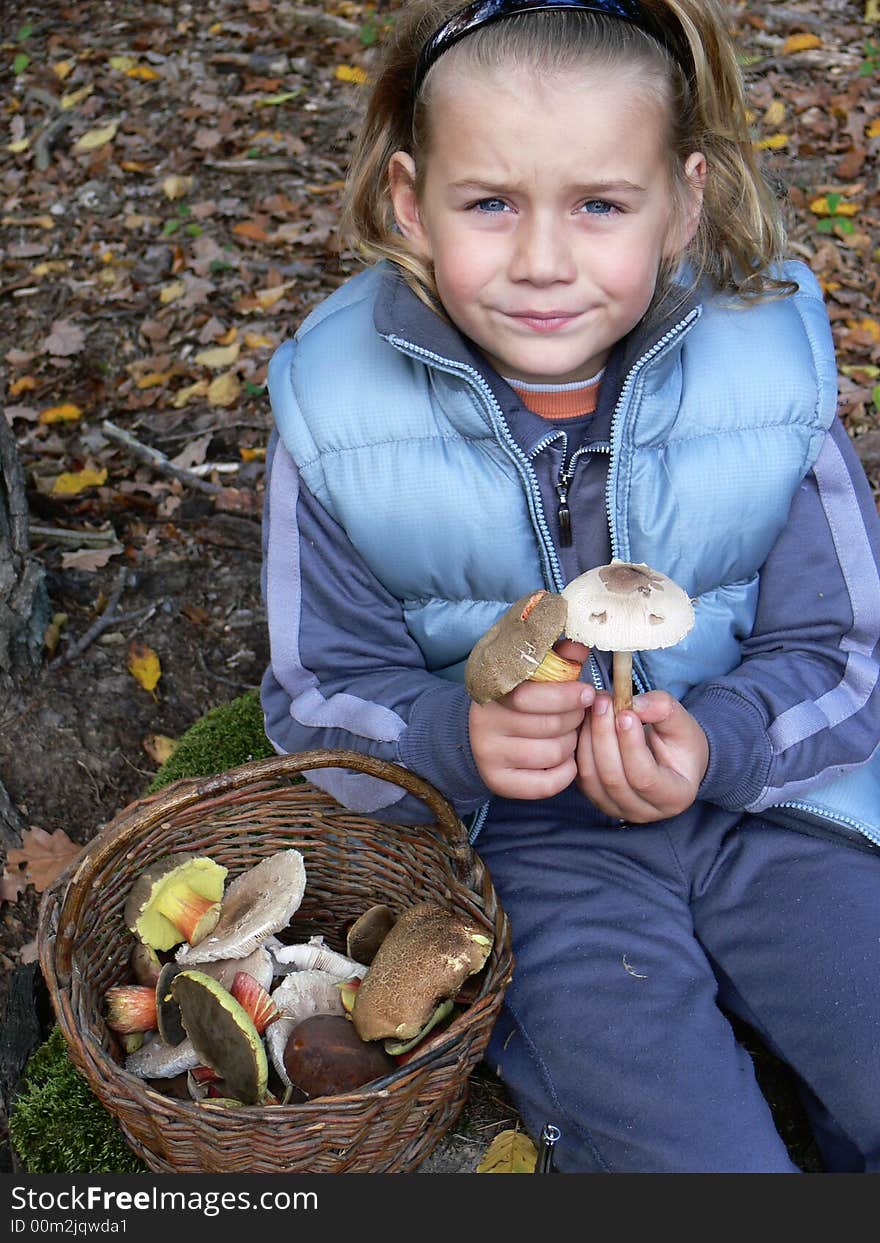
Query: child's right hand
[{"x": 524, "y": 744}]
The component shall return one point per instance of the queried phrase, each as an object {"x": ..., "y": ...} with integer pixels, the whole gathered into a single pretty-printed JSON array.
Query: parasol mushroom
[
  {"x": 518, "y": 647},
  {"x": 258, "y": 903},
  {"x": 624, "y": 608}
]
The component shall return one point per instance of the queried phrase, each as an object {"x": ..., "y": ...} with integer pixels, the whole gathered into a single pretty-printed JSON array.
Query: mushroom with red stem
[{"x": 626, "y": 607}]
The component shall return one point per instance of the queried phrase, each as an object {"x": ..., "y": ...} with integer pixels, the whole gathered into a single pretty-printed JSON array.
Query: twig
[
  {"x": 44, "y": 143},
  {"x": 97, "y": 627},
  {"x": 327, "y": 23},
  {"x": 157, "y": 460},
  {"x": 66, "y": 535}
]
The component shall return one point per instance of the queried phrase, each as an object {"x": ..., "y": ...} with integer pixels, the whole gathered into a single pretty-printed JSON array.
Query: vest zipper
[{"x": 822, "y": 813}]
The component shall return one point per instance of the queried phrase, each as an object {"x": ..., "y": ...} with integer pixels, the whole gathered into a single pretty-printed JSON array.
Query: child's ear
[
  {"x": 695, "y": 176},
  {"x": 402, "y": 187}
]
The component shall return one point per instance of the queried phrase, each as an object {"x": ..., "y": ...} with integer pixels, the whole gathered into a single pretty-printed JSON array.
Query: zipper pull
[{"x": 563, "y": 515}]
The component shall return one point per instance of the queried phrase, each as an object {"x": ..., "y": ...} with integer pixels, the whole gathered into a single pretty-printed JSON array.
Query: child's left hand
[{"x": 645, "y": 765}]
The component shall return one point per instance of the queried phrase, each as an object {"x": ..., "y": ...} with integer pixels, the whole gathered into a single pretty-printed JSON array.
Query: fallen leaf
[
  {"x": 65, "y": 338},
  {"x": 43, "y": 855},
  {"x": 90, "y": 558},
  {"x": 774, "y": 143},
  {"x": 95, "y": 138},
  {"x": 254, "y": 233},
  {"x": 775, "y": 114},
  {"x": 222, "y": 356},
  {"x": 154, "y": 379},
  {"x": 22, "y": 385},
  {"x": 256, "y": 341},
  {"x": 170, "y": 293},
  {"x": 225, "y": 390},
  {"x": 143, "y": 73},
  {"x": 238, "y": 501},
  {"x": 52, "y": 633},
  {"x": 511, "y": 1152},
  {"x": 12, "y": 885},
  {"x": 62, "y": 69},
  {"x": 65, "y": 413},
  {"x": 176, "y": 187},
  {"x": 159, "y": 747},
  {"x": 72, "y": 98},
  {"x": 71, "y": 483},
  {"x": 350, "y": 73},
  {"x": 29, "y": 952},
  {"x": 253, "y": 455},
  {"x": 121, "y": 63},
  {"x": 185, "y": 395},
  {"x": 143, "y": 664},
  {"x": 800, "y": 43}
]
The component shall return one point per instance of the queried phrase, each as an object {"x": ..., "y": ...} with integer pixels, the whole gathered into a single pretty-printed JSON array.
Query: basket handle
[{"x": 131, "y": 822}]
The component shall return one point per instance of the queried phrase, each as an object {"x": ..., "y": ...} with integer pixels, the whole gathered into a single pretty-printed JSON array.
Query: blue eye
[
  {"x": 491, "y": 205},
  {"x": 599, "y": 207}
]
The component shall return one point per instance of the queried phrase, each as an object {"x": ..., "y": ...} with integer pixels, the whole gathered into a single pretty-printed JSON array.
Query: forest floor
[{"x": 170, "y": 180}]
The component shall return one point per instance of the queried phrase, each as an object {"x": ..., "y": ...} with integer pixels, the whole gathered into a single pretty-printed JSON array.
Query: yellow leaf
[
  {"x": 176, "y": 187},
  {"x": 66, "y": 413},
  {"x": 511, "y": 1152},
  {"x": 800, "y": 43},
  {"x": 153, "y": 379},
  {"x": 228, "y": 337},
  {"x": 62, "y": 69},
  {"x": 143, "y": 664},
  {"x": 268, "y": 297},
  {"x": 775, "y": 114},
  {"x": 17, "y": 147},
  {"x": 255, "y": 341},
  {"x": 222, "y": 356},
  {"x": 97, "y": 137},
  {"x": 351, "y": 73},
  {"x": 872, "y": 10},
  {"x": 72, "y": 98},
  {"x": 122, "y": 62},
  {"x": 71, "y": 483},
  {"x": 870, "y": 326},
  {"x": 774, "y": 143},
  {"x": 49, "y": 267},
  {"x": 821, "y": 207},
  {"x": 874, "y": 129},
  {"x": 168, "y": 293},
  {"x": 22, "y": 385},
  {"x": 225, "y": 390},
  {"x": 159, "y": 747},
  {"x": 143, "y": 73},
  {"x": 253, "y": 455},
  {"x": 184, "y": 395}
]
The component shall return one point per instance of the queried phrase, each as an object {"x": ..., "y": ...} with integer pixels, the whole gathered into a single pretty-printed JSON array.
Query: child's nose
[{"x": 541, "y": 253}]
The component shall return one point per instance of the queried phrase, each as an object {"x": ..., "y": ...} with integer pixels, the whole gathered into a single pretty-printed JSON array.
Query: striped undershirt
[{"x": 559, "y": 401}]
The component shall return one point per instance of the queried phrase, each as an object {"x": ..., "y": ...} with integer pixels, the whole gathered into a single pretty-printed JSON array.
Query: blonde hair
[{"x": 740, "y": 234}]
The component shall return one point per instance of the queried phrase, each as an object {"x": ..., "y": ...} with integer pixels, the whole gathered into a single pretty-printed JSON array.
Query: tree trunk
[{"x": 24, "y": 605}]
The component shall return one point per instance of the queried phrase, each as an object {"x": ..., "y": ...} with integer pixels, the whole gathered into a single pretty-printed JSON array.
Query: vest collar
[{"x": 400, "y": 315}]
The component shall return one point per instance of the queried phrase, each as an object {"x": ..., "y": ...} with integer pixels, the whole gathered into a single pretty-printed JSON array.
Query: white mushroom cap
[
  {"x": 257, "y": 904},
  {"x": 626, "y": 607}
]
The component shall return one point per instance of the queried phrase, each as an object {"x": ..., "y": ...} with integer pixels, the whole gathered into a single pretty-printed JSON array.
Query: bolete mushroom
[
  {"x": 518, "y": 647},
  {"x": 175, "y": 899},
  {"x": 324, "y": 1056},
  {"x": 258, "y": 903},
  {"x": 422, "y": 962},
  {"x": 222, "y": 1034},
  {"x": 368, "y": 931},
  {"x": 623, "y": 608}
]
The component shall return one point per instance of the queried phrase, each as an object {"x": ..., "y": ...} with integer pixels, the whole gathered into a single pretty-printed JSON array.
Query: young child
[{"x": 579, "y": 342}]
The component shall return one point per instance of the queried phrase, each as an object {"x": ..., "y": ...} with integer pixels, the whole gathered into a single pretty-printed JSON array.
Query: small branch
[
  {"x": 66, "y": 535},
  {"x": 269, "y": 165},
  {"x": 158, "y": 461},
  {"x": 45, "y": 142},
  {"x": 107, "y": 619},
  {"x": 327, "y": 23}
]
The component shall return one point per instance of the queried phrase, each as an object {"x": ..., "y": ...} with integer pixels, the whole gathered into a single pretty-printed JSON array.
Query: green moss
[
  {"x": 58, "y": 1125},
  {"x": 225, "y": 737}
]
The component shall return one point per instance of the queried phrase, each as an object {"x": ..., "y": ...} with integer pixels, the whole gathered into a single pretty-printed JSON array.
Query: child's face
[{"x": 546, "y": 211}]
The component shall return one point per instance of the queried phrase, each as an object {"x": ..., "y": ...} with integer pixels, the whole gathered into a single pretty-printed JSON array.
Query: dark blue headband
[{"x": 482, "y": 12}]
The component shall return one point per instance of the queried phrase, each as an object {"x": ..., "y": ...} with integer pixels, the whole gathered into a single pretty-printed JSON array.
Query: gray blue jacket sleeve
[
  {"x": 804, "y": 704},
  {"x": 344, "y": 671}
]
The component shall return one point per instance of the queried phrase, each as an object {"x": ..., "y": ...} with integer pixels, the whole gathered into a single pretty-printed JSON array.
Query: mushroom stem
[
  {"x": 191, "y": 914},
  {"x": 555, "y": 668},
  {"x": 131, "y": 1008},
  {"x": 622, "y": 666}
]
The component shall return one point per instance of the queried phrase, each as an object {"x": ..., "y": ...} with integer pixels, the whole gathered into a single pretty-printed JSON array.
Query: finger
[
  {"x": 570, "y": 650},
  {"x": 639, "y": 764},
  {"x": 589, "y": 781},
  {"x": 541, "y": 725},
  {"x": 533, "y": 753},
  {"x": 544, "y": 697},
  {"x": 537, "y": 784},
  {"x": 656, "y": 708},
  {"x": 609, "y": 762}
]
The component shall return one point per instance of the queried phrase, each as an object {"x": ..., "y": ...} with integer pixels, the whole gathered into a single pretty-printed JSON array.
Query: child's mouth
[{"x": 545, "y": 321}]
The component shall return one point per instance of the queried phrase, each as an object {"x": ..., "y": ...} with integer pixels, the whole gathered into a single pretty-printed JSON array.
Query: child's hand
[
  {"x": 524, "y": 744},
  {"x": 648, "y": 764}
]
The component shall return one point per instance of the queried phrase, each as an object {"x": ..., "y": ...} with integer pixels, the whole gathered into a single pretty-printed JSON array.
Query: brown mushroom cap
[
  {"x": 512, "y": 649},
  {"x": 424, "y": 959},
  {"x": 368, "y": 932},
  {"x": 626, "y": 607}
]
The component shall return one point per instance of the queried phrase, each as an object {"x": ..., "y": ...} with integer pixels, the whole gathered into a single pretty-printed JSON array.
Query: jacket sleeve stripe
[{"x": 862, "y": 581}]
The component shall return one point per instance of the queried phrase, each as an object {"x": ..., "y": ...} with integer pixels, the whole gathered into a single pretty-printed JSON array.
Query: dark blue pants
[{"x": 631, "y": 942}]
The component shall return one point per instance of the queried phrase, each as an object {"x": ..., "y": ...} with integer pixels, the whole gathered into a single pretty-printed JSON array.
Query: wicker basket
[{"x": 352, "y": 861}]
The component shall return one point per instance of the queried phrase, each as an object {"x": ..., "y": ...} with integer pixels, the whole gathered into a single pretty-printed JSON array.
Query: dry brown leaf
[
  {"x": 65, "y": 338},
  {"x": 90, "y": 558},
  {"x": 143, "y": 664},
  {"x": 43, "y": 856},
  {"x": 511, "y": 1152},
  {"x": 250, "y": 230}
]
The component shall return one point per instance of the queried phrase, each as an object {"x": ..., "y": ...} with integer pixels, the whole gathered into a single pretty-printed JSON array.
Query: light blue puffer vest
[{"x": 417, "y": 464}]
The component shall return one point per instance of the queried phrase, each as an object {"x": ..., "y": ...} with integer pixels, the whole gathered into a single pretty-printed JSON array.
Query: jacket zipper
[{"x": 845, "y": 822}]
